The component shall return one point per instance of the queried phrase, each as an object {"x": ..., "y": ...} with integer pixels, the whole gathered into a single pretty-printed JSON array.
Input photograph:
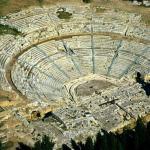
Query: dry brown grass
[
  {"x": 17, "y": 5},
  {"x": 10, "y": 99},
  {"x": 123, "y": 5}
]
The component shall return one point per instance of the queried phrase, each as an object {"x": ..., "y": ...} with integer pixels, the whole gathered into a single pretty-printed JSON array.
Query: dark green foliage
[
  {"x": 87, "y": 1},
  {"x": 140, "y": 135},
  {"x": 98, "y": 141},
  {"x": 140, "y": 0},
  {"x": 89, "y": 144},
  {"x": 131, "y": 139},
  {"x": 65, "y": 147},
  {"x": 23, "y": 146},
  {"x": 46, "y": 144},
  {"x": 40, "y": 2},
  {"x": 82, "y": 146},
  {"x": 1, "y": 147},
  {"x": 6, "y": 29},
  {"x": 75, "y": 145},
  {"x": 3, "y": 2},
  {"x": 63, "y": 14}
]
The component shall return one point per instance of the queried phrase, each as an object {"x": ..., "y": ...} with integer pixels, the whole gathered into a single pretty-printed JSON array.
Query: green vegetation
[
  {"x": 23, "y": 147},
  {"x": 6, "y": 29},
  {"x": 7, "y": 145},
  {"x": 4, "y": 97},
  {"x": 40, "y": 2},
  {"x": 62, "y": 14},
  {"x": 45, "y": 144},
  {"x": 4, "y": 17},
  {"x": 3, "y": 2},
  {"x": 87, "y": 1},
  {"x": 100, "y": 9},
  {"x": 1, "y": 147},
  {"x": 146, "y": 20},
  {"x": 131, "y": 139}
]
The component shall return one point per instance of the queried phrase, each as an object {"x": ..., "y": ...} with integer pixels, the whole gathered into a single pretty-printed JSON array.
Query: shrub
[
  {"x": 6, "y": 29},
  {"x": 45, "y": 144},
  {"x": 131, "y": 139},
  {"x": 87, "y": 1}
]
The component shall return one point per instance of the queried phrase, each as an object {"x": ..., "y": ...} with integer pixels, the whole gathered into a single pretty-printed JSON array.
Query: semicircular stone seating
[{"x": 56, "y": 58}]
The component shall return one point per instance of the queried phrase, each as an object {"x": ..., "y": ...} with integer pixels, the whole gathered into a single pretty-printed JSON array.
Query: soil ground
[
  {"x": 10, "y": 6},
  {"x": 92, "y": 86}
]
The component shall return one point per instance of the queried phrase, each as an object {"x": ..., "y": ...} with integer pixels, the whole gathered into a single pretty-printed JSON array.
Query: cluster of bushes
[
  {"x": 45, "y": 144},
  {"x": 6, "y": 29},
  {"x": 87, "y": 1},
  {"x": 40, "y": 2},
  {"x": 62, "y": 14},
  {"x": 3, "y": 2},
  {"x": 131, "y": 139}
]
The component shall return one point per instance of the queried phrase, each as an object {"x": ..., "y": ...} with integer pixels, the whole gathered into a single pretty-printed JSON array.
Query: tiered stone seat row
[
  {"x": 82, "y": 20},
  {"x": 2, "y": 79},
  {"x": 69, "y": 59},
  {"x": 60, "y": 61},
  {"x": 4, "y": 40},
  {"x": 37, "y": 86}
]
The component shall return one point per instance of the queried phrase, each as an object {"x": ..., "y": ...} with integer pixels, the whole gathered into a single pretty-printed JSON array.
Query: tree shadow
[{"x": 145, "y": 85}]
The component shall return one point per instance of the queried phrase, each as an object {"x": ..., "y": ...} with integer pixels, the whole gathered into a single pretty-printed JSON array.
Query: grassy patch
[
  {"x": 100, "y": 9},
  {"x": 62, "y": 14},
  {"x": 40, "y": 2},
  {"x": 1, "y": 124},
  {"x": 4, "y": 97},
  {"x": 4, "y": 17},
  {"x": 146, "y": 20},
  {"x": 12, "y": 6},
  {"x": 6, "y": 29},
  {"x": 3, "y": 2}
]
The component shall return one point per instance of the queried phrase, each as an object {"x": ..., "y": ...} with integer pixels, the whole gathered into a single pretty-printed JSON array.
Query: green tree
[
  {"x": 23, "y": 146},
  {"x": 65, "y": 147},
  {"x": 40, "y": 2},
  {"x": 45, "y": 144},
  {"x": 6, "y": 29},
  {"x": 1, "y": 146},
  {"x": 97, "y": 143},
  {"x": 140, "y": 135},
  {"x": 75, "y": 146},
  {"x": 89, "y": 144},
  {"x": 87, "y": 1}
]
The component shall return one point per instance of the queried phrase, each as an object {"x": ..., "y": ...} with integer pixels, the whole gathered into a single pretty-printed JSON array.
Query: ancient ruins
[{"x": 72, "y": 71}]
